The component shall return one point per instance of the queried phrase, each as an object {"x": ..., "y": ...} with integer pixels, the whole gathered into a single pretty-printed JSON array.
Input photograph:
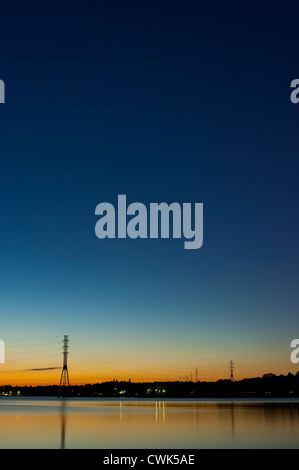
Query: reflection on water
[
  {"x": 63, "y": 422},
  {"x": 107, "y": 423}
]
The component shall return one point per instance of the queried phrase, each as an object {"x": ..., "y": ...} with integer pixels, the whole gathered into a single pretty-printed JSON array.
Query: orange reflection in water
[{"x": 75, "y": 423}]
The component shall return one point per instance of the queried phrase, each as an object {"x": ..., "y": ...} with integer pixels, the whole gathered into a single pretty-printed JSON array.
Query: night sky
[{"x": 181, "y": 101}]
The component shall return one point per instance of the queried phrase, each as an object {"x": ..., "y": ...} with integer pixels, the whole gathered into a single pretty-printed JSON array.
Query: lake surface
[{"x": 87, "y": 423}]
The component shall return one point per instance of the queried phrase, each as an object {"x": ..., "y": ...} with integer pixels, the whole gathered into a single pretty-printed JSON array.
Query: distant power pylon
[
  {"x": 231, "y": 366},
  {"x": 64, "y": 386},
  {"x": 196, "y": 374}
]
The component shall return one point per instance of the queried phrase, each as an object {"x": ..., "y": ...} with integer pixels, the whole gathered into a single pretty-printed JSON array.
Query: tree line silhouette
[{"x": 269, "y": 385}]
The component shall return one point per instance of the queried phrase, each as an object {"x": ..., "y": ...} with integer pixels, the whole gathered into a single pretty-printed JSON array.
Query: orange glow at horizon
[
  {"x": 39, "y": 362},
  {"x": 77, "y": 377}
]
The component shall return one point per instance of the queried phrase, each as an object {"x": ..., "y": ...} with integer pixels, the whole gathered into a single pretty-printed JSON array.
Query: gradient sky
[{"x": 161, "y": 101}]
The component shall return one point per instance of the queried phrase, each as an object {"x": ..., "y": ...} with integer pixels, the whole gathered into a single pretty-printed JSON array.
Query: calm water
[{"x": 107, "y": 423}]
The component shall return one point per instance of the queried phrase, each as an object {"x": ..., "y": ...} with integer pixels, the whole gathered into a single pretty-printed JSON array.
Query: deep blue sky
[{"x": 161, "y": 101}]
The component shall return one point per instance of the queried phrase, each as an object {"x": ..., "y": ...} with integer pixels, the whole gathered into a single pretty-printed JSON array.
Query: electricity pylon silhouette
[
  {"x": 64, "y": 386},
  {"x": 231, "y": 366}
]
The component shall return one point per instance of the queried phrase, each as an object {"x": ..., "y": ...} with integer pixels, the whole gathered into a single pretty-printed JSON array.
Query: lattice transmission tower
[
  {"x": 231, "y": 366},
  {"x": 64, "y": 386}
]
